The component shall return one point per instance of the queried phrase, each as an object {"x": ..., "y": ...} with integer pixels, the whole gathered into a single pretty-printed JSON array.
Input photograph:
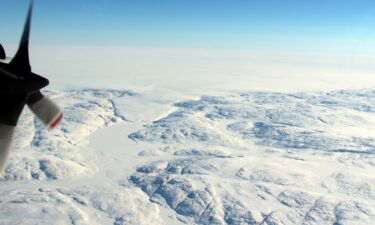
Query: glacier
[{"x": 249, "y": 157}]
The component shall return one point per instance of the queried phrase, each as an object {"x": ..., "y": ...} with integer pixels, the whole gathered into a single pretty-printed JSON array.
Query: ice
[
  {"x": 249, "y": 157},
  {"x": 77, "y": 206},
  {"x": 43, "y": 155},
  {"x": 294, "y": 165}
]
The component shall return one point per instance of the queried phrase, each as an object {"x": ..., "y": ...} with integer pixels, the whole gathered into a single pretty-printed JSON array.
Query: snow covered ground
[{"x": 170, "y": 150}]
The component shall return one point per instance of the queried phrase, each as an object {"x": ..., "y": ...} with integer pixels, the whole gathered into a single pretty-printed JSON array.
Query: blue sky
[{"x": 269, "y": 25}]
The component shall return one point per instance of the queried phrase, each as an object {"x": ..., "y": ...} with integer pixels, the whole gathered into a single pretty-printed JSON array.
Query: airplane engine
[
  {"x": 45, "y": 109},
  {"x": 20, "y": 86},
  {"x": 2, "y": 53}
]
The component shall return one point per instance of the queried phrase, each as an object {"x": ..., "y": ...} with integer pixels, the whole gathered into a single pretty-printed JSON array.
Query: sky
[{"x": 261, "y": 25}]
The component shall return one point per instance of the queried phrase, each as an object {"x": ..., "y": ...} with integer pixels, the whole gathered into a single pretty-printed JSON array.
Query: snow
[{"x": 159, "y": 148}]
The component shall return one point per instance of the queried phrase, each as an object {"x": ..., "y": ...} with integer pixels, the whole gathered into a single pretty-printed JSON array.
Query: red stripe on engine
[{"x": 57, "y": 121}]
